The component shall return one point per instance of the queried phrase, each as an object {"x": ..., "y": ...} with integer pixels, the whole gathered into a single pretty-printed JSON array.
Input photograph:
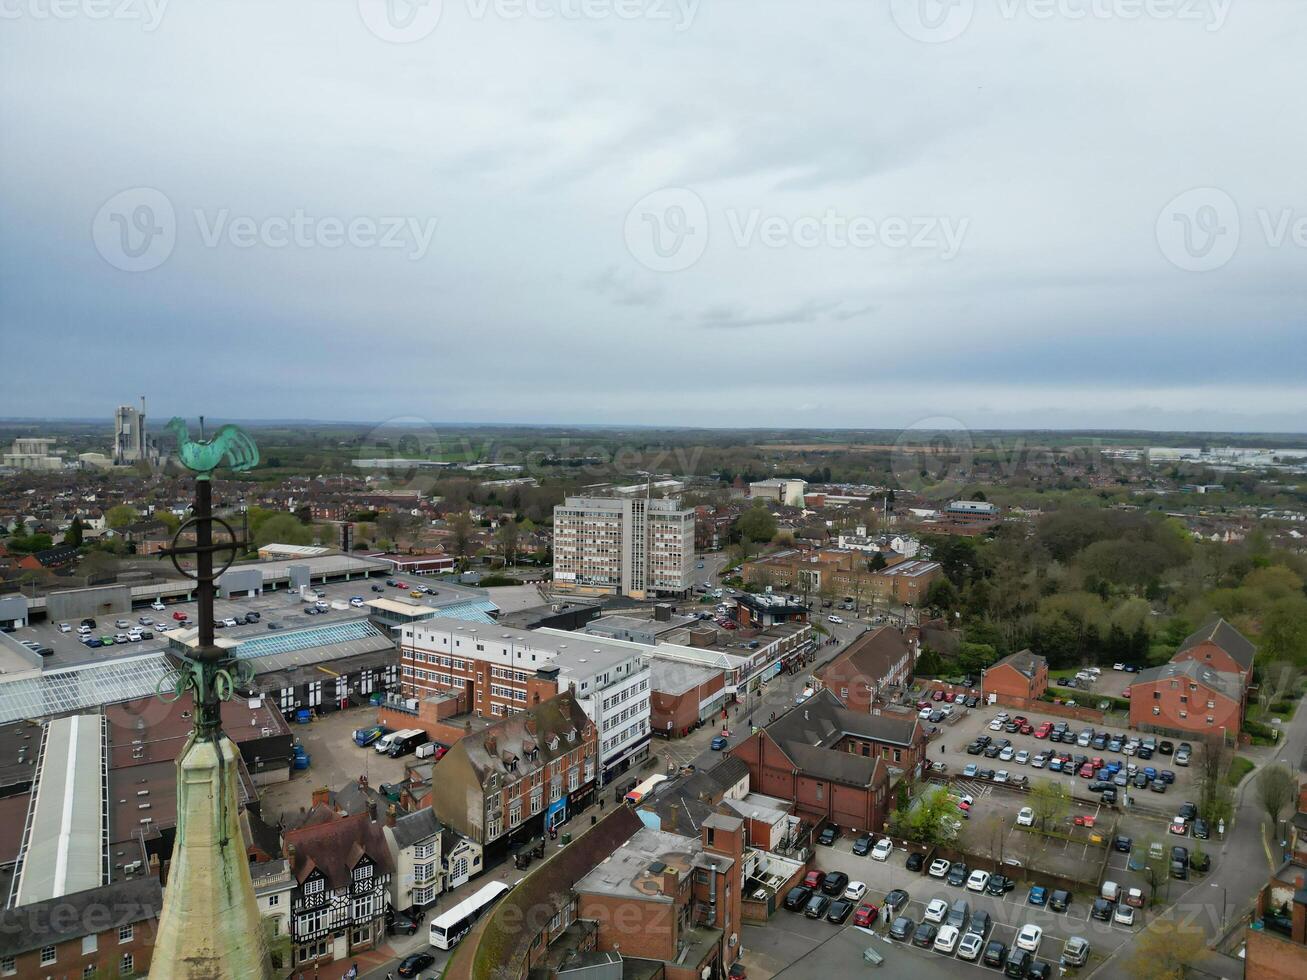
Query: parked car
[
  {"x": 924, "y": 936},
  {"x": 865, "y": 916},
  {"x": 814, "y": 879},
  {"x": 969, "y": 947},
  {"x": 1124, "y": 915},
  {"x": 718, "y": 743},
  {"x": 1038, "y": 895},
  {"x": 1075, "y": 952},
  {"x": 999, "y": 885},
  {"x": 947, "y": 939},
  {"x": 797, "y": 897},
  {"x": 957, "y": 874},
  {"x": 978, "y": 880},
  {"x": 936, "y": 910},
  {"x": 995, "y": 954},
  {"x": 817, "y": 907},
  {"x": 829, "y": 834},
  {"x": 1059, "y": 900},
  {"x": 855, "y": 891},
  {"x": 1025, "y": 816},
  {"x": 835, "y": 883},
  {"x": 902, "y": 928},
  {"x": 939, "y": 868},
  {"x": 839, "y": 911},
  {"x": 884, "y": 847},
  {"x": 862, "y": 845},
  {"x": 915, "y": 861},
  {"x": 895, "y": 900}
]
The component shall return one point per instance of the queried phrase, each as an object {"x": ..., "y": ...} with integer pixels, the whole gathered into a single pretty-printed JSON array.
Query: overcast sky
[{"x": 1054, "y": 213}]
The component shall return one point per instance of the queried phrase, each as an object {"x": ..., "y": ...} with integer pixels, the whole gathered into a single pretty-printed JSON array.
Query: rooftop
[
  {"x": 84, "y": 686},
  {"x": 62, "y": 844},
  {"x": 637, "y": 869},
  {"x": 1220, "y": 681},
  {"x": 1217, "y": 630}
]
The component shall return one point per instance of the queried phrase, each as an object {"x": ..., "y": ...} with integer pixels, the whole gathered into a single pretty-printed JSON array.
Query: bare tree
[
  {"x": 1215, "y": 801},
  {"x": 1276, "y": 789}
]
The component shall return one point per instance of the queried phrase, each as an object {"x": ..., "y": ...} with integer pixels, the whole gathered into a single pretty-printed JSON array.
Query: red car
[
  {"x": 865, "y": 915},
  {"x": 1020, "y": 719},
  {"x": 179, "y": 616},
  {"x": 729, "y": 625},
  {"x": 1042, "y": 732},
  {"x": 1096, "y": 762},
  {"x": 937, "y": 696},
  {"x": 1086, "y": 771},
  {"x": 923, "y": 703},
  {"x": 814, "y": 879},
  {"x": 1025, "y": 729},
  {"x": 401, "y": 585},
  {"x": 1126, "y": 693}
]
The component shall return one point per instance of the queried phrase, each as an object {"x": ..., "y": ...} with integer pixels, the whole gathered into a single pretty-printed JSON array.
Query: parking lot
[
  {"x": 950, "y": 748},
  {"x": 791, "y": 937},
  {"x": 285, "y": 609}
]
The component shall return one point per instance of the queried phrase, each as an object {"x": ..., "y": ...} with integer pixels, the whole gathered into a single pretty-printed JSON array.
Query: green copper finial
[{"x": 204, "y": 456}]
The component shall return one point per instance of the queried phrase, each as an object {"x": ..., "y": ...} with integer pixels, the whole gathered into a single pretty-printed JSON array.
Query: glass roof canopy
[
  {"x": 319, "y": 636},
  {"x": 85, "y": 686}
]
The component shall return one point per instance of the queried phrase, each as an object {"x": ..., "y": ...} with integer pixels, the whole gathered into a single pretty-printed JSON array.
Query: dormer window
[
  {"x": 571, "y": 735},
  {"x": 553, "y": 742}
]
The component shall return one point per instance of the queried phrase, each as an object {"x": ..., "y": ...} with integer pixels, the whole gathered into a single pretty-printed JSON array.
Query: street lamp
[{"x": 1223, "y": 897}]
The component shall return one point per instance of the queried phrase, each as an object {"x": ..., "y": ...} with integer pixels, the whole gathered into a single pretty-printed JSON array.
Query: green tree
[
  {"x": 120, "y": 516},
  {"x": 282, "y": 529},
  {"x": 756, "y": 524},
  {"x": 73, "y": 536},
  {"x": 1049, "y": 801},
  {"x": 1284, "y": 630},
  {"x": 1165, "y": 951},
  {"x": 929, "y": 819},
  {"x": 942, "y": 595}
]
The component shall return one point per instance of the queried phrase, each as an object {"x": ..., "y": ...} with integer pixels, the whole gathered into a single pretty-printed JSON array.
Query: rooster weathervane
[{"x": 203, "y": 456}]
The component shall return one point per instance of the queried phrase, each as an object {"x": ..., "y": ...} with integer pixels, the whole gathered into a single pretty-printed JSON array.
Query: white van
[
  {"x": 1111, "y": 891},
  {"x": 382, "y": 745}
]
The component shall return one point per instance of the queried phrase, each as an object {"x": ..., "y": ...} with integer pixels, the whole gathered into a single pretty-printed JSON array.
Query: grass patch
[{"x": 1239, "y": 768}]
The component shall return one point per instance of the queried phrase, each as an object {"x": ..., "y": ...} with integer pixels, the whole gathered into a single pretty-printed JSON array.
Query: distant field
[{"x": 823, "y": 447}]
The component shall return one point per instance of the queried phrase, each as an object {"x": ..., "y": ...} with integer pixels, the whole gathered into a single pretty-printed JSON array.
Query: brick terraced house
[{"x": 519, "y": 777}]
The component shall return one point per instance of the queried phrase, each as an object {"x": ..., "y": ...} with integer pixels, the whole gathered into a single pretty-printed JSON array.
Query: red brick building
[
  {"x": 668, "y": 898},
  {"x": 1203, "y": 690},
  {"x": 682, "y": 694},
  {"x": 104, "y": 932},
  {"x": 832, "y": 763},
  {"x": 906, "y": 582},
  {"x": 1218, "y": 645},
  {"x": 1277, "y": 950},
  {"x": 1018, "y": 680},
  {"x": 870, "y": 669},
  {"x": 1187, "y": 697},
  {"x": 520, "y": 776}
]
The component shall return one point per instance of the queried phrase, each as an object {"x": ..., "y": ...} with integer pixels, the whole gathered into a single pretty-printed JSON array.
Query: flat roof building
[{"x": 628, "y": 546}]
